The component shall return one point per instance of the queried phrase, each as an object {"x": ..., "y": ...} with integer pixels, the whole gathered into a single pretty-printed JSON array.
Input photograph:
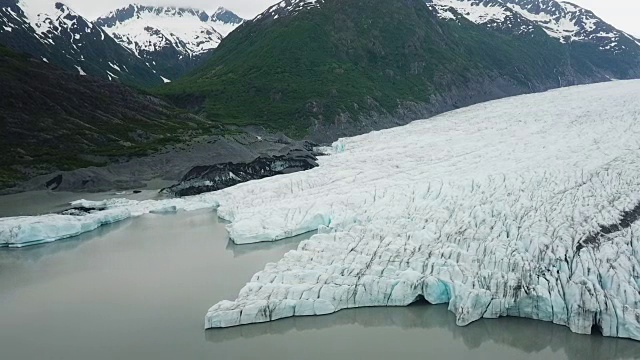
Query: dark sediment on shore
[
  {"x": 207, "y": 178},
  {"x": 174, "y": 163}
]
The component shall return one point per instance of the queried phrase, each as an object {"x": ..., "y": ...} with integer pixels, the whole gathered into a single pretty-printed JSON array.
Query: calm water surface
[{"x": 140, "y": 290}]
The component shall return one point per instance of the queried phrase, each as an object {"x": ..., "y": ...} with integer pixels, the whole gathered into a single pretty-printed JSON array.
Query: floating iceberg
[
  {"x": 32, "y": 230},
  {"x": 526, "y": 206}
]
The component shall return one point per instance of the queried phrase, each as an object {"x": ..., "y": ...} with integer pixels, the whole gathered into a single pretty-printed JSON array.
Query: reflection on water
[
  {"x": 37, "y": 252},
  {"x": 241, "y": 250},
  {"x": 528, "y": 336},
  {"x": 46, "y": 202}
]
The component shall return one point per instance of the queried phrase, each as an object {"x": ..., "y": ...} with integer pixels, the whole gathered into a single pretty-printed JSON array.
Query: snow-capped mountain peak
[
  {"x": 224, "y": 16},
  {"x": 564, "y": 21},
  {"x": 570, "y": 22},
  {"x": 288, "y": 7},
  {"x": 147, "y": 44},
  {"x": 49, "y": 19},
  {"x": 53, "y": 32},
  {"x": 149, "y": 29},
  {"x": 491, "y": 13},
  {"x": 54, "y": 24}
]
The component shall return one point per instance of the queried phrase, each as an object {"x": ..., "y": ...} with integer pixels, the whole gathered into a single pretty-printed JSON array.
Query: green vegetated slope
[
  {"x": 353, "y": 58},
  {"x": 54, "y": 120}
]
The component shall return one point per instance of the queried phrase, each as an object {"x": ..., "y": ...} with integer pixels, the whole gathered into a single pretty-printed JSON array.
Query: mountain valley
[{"x": 316, "y": 70}]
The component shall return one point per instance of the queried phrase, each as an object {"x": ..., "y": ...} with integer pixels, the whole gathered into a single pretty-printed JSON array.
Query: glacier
[
  {"x": 515, "y": 207},
  {"x": 525, "y": 206}
]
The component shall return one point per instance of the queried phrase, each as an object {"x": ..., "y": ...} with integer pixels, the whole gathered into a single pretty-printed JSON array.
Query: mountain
[
  {"x": 51, "y": 119},
  {"x": 55, "y": 33},
  {"x": 329, "y": 68},
  {"x": 171, "y": 40},
  {"x": 564, "y": 21}
]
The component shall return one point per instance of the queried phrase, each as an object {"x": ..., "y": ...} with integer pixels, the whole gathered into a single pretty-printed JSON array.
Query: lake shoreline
[{"x": 140, "y": 289}]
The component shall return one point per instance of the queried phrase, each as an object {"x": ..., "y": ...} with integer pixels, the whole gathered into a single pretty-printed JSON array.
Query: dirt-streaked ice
[{"x": 498, "y": 209}]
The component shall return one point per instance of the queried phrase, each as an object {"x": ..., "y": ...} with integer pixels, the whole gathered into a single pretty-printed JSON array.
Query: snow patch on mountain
[
  {"x": 288, "y": 7},
  {"x": 80, "y": 71},
  {"x": 478, "y": 11},
  {"x": 111, "y": 75},
  {"x": 444, "y": 12},
  {"x": 491, "y": 13},
  {"x": 51, "y": 30},
  {"x": 52, "y": 18},
  {"x": 569, "y": 22},
  {"x": 564, "y": 21},
  {"x": 559, "y": 23}
]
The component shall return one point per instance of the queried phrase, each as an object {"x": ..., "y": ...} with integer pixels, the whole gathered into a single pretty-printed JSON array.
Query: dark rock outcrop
[
  {"x": 209, "y": 178},
  {"x": 168, "y": 165}
]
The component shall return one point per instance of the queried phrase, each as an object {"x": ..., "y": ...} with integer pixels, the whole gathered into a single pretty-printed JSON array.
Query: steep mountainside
[
  {"x": 51, "y": 120},
  {"x": 55, "y": 33},
  {"x": 328, "y": 68},
  {"x": 561, "y": 20},
  {"x": 171, "y": 40}
]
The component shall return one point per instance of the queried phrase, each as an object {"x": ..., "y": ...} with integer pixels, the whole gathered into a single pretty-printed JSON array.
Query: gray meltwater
[{"x": 140, "y": 289}]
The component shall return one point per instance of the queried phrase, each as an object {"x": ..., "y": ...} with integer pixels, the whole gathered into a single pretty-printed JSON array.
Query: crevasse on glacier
[{"x": 525, "y": 207}]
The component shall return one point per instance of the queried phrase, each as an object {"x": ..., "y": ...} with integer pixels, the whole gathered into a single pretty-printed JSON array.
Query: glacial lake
[{"x": 140, "y": 289}]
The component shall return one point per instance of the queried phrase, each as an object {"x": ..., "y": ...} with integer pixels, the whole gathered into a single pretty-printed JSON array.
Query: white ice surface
[
  {"x": 32, "y": 230},
  {"x": 482, "y": 208}
]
